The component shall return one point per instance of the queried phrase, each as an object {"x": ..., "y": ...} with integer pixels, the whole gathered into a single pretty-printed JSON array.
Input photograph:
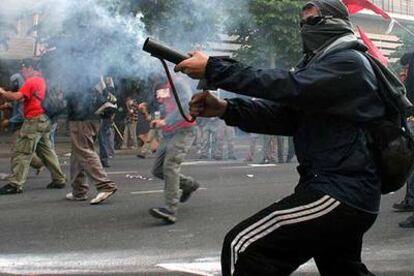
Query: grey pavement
[{"x": 43, "y": 234}]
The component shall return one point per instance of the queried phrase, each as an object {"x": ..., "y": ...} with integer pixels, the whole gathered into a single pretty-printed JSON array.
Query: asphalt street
[{"x": 41, "y": 233}]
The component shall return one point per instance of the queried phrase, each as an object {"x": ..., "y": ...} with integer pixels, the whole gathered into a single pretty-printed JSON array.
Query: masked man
[{"x": 325, "y": 105}]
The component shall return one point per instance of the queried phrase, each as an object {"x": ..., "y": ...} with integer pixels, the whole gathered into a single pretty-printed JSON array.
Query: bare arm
[{"x": 10, "y": 96}]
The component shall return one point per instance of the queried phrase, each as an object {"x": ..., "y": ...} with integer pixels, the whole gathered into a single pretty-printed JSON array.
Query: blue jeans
[
  {"x": 409, "y": 196},
  {"x": 104, "y": 139}
]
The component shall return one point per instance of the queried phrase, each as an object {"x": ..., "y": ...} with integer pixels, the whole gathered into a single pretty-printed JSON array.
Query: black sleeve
[
  {"x": 341, "y": 84},
  {"x": 260, "y": 116}
]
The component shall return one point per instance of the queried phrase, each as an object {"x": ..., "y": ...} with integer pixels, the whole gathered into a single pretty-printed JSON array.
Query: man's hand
[
  {"x": 4, "y": 124},
  {"x": 2, "y": 91},
  {"x": 158, "y": 123},
  {"x": 205, "y": 104},
  {"x": 194, "y": 67},
  {"x": 6, "y": 106}
]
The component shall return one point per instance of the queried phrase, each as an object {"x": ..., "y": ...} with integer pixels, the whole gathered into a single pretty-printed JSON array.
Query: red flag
[
  {"x": 372, "y": 49},
  {"x": 355, "y": 6}
]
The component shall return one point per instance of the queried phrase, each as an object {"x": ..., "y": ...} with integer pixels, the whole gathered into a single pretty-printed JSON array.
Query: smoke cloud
[{"x": 88, "y": 38}]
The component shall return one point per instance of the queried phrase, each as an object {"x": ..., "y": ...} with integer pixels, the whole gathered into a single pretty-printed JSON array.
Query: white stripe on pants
[{"x": 273, "y": 221}]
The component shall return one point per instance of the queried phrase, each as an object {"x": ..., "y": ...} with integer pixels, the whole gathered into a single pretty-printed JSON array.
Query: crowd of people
[{"x": 152, "y": 127}]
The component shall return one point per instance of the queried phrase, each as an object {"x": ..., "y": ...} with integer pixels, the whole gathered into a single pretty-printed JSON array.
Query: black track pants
[{"x": 305, "y": 225}]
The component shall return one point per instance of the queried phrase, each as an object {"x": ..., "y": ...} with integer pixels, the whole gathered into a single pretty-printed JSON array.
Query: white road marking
[
  {"x": 157, "y": 192},
  {"x": 204, "y": 269},
  {"x": 249, "y": 166},
  {"x": 393, "y": 256},
  {"x": 262, "y": 165},
  {"x": 210, "y": 162},
  {"x": 207, "y": 162},
  {"x": 212, "y": 267},
  {"x": 147, "y": 192},
  {"x": 121, "y": 172}
]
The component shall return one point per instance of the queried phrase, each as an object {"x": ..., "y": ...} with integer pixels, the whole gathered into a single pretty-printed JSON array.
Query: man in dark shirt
[
  {"x": 325, "y": 105},
  {"x": 84, "y": 128}
]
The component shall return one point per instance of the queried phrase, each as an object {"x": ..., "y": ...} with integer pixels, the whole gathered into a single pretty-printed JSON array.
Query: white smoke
[{"x": 90, "y": 37}]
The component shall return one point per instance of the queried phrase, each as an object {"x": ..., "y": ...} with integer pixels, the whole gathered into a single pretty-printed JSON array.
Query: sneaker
[
  {"x": 71, "y": 197},
  {"x": 142, "y": 156},
  {"x": 402, "y": 206},
  {"x": 232, "y": 157},
  {"x": 55, "y": 185},
  {"x": 102, "y": 196},
  {"x": 163, "y": 213},
  {"x": 186, "y": 194},
  {"x": 10, "y": 189},
  {"x": 408, "y": 223}
]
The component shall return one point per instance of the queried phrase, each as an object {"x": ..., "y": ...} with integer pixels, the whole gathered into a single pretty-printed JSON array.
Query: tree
[{"x": 269, "y": 34}]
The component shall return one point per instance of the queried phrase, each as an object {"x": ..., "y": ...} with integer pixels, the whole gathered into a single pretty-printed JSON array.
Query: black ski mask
[{"x": 332, "y": 23}]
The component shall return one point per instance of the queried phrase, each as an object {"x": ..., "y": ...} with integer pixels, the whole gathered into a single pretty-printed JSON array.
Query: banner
[
  {"x": 372, "y": 48},
  {"x": 355, "y": 6}
]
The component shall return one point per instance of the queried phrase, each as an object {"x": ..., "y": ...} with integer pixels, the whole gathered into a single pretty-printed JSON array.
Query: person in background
[
  {"x": 34, "y": 136},
  {"x": 130, "y": 139},
  {"x": 225, "y": 134},
  {"x": 151, "y": 139},
  {"x": 281, "y": 149},
  {"x": 291, "y": 150},
  {"x": 253, "y": 137},
  {"x": 106, "y": 132},
  {"x": 268, "y": 149},
  {"x": 16, "y": 121},
  {"x": 84, "y": 122},
  {"x": 178, "y": 136},
  {"x": 407, "y": 76},
  {"x": 209, "y": 148}
]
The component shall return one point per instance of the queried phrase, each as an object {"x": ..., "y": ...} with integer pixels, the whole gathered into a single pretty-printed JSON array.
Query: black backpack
[
  {"x": 54, "y": 103},
  {"x": 391, "y": 141}
]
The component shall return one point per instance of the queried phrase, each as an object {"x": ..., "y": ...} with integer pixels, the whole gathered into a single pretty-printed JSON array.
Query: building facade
[{"x": 376, "y": 26}]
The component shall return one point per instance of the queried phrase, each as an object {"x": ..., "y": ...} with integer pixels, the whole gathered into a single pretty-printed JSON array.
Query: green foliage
[{"x": 271, "y": 31}]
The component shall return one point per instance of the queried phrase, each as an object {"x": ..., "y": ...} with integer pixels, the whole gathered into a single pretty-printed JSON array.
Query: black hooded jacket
[{"x": 325, "y": 106}]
